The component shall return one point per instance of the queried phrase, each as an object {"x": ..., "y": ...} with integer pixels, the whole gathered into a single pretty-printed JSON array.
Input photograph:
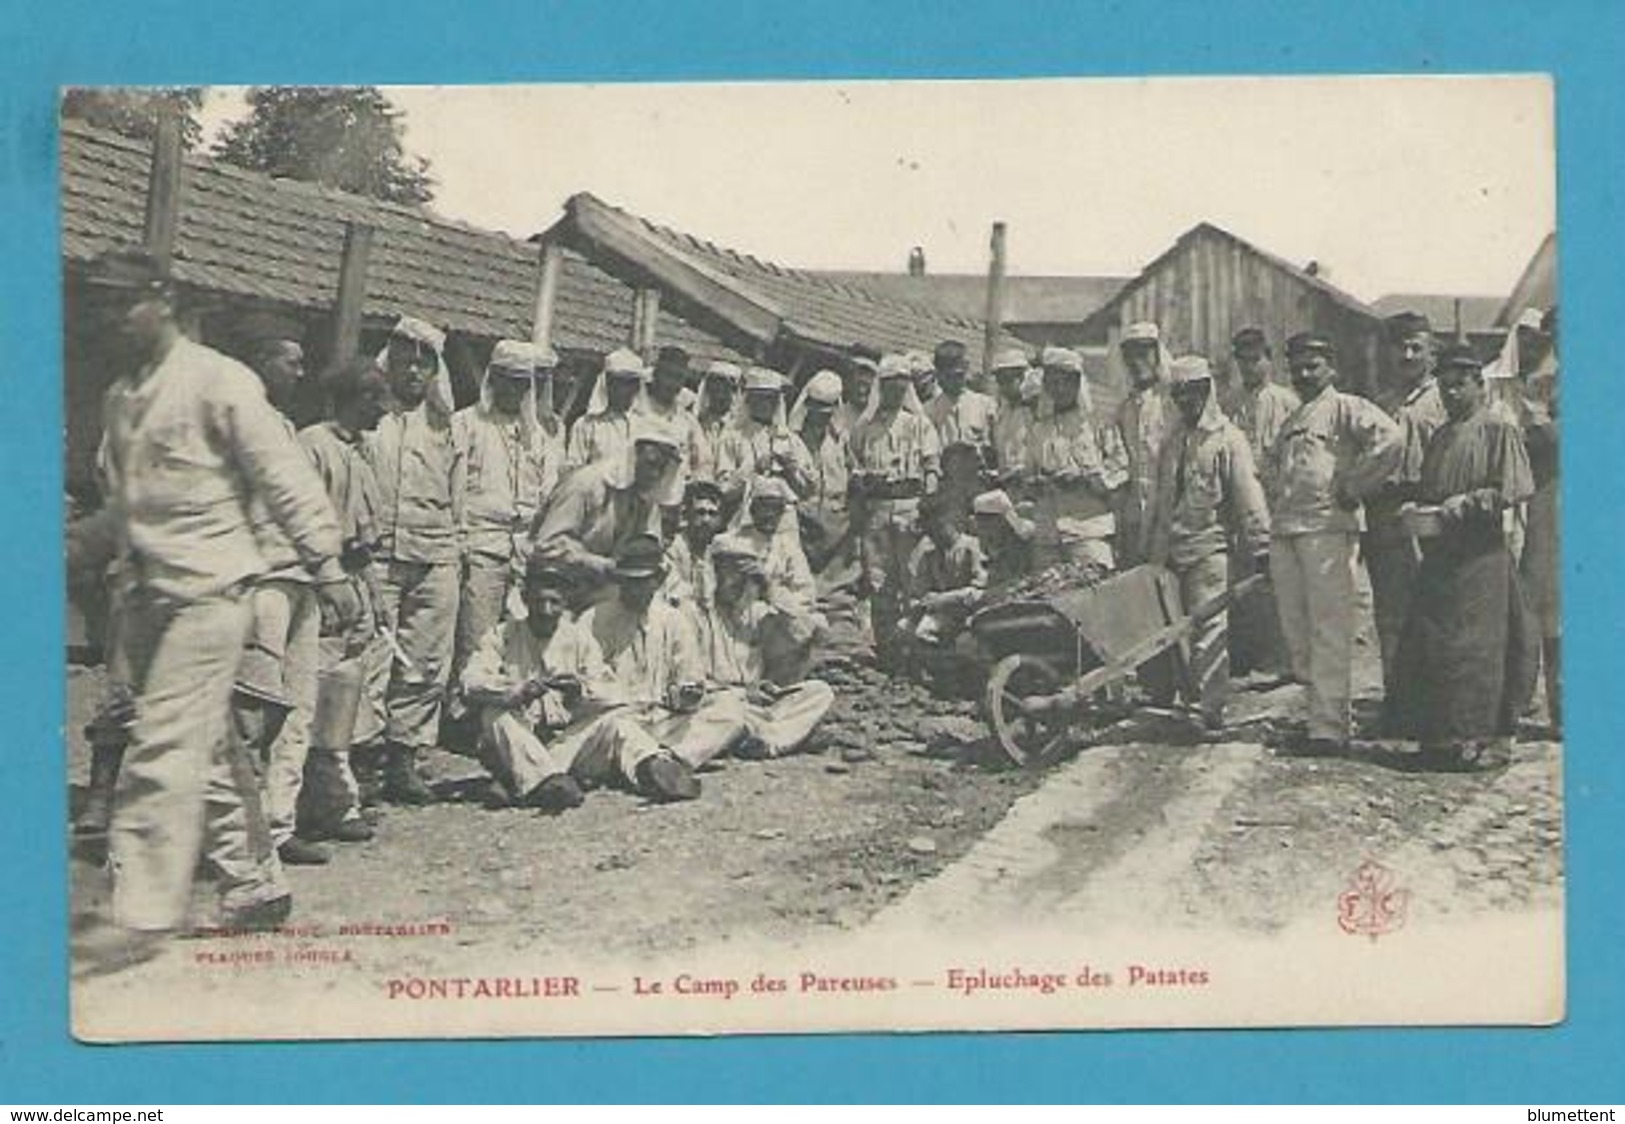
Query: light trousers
[
  {"x": 485, "y": 584},
  {"x": 1314, "y": 594},
  {"x": 785, "y": 724},
  {"x": 420, "y": 603},
  {"x": 608, "y": 749},
  {"x": 285, "y": 631},
  {"x": 181, "y": 659}
]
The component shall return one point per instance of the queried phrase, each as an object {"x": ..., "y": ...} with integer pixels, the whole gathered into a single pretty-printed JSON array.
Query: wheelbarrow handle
[{"x": 1225, "y": 598}]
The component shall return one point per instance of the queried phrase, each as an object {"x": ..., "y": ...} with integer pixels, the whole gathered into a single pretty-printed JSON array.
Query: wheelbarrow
[{"x": 1052, "y": 656}]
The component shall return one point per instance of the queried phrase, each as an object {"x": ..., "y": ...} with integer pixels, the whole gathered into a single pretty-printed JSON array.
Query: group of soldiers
[{"x": 614, "y": 589}]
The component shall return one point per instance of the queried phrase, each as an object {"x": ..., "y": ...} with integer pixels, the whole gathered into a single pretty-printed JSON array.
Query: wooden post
[
  {"x": 645, "y": 320},
  {"x": 164, "y": 189},
  {"x": 547, "y": 293},
  {"x": 351, "y": 300},
  {"x": 995, "y": 301}
]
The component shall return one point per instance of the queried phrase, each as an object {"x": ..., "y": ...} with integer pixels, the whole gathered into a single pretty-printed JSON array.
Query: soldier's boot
[
  {"x": 97, "y": 813},
  {"x": 402, "y": 784}
]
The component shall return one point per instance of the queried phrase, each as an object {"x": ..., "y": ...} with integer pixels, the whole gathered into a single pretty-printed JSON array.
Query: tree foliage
[
  {"x": 344, "y": 137},
  {"x": 134, "y": 110}
]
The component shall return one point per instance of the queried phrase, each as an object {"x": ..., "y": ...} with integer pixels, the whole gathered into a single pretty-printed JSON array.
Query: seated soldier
[
  {"x": 540, "y": 687},
  {"x": 777, "y": 719},
  {"x": 600, "y": 506},
  {"x": 777, "y": 542},
  {"x": 554, "y": 719},
  {"x": 946, "y": 576},
  {"x": 1006, "y": 539},
  {"x": 688, "y": 557},
  {"x": 668, "y": 727}
]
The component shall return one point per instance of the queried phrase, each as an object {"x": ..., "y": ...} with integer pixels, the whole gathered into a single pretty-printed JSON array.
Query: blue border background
[{"x": 424, "y": 41}]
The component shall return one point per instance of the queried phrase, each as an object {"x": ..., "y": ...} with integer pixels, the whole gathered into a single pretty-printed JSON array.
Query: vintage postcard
[{"x": 769, "y": 558}]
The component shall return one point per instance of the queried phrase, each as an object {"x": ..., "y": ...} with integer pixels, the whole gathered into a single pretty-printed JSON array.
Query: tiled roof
[
  {"x": 808, "y": 306},
  {"x": 252, "y": 235},
  {"x": 1477, "y": 312},
  {"x": 1027, "y": 299}
]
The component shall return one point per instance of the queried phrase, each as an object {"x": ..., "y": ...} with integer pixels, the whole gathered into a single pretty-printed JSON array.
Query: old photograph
[{"x": 783, "y": 557}]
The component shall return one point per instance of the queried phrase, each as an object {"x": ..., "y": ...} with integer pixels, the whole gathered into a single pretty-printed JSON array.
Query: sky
[{"x": 1424, "y": 185}]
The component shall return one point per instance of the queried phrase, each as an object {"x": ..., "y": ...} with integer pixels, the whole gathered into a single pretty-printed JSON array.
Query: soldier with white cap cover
[
  {"x": 823, "y": 514},
  {"x": 896, "y": 457},
  {"x": 1006, "y": 537},
  {"x": 764, "y": 444},
  {"x": 1070, "y": 480},
  {"x": 509, "y": 467},
  {"x": 601, "y": 506},
  {"x": 415, "y": 462},
  {"x": 1143, "y": 420},
  {"x": 1207, "y": 496},
  {"x": 604, "y": 432},
  {"x": 857, "y": 387},
  {"x": 1013, "y": 420},
  {"x": 744, "y": 627},
  {"x": 717, "y": 414}
]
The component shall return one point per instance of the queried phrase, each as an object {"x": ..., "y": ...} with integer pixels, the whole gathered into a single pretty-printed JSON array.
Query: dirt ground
[{"x": 1155, "y": 822}]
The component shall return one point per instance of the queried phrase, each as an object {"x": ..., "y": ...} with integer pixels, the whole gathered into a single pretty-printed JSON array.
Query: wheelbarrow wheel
[{"x": 1027, "y": 740}]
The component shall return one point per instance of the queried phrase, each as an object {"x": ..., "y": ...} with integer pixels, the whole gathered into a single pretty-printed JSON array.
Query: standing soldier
[
  {"x": 604, "y": 432},
  {"x": 1391, "y": 557},
  {"x": 761, "y": 443},
  {"x": 923, "y": 371},
  {"x": 1537, "y": 416},
  {"x": 1333, "y": 451},
  {"x": 415, "y": 462},
  {"x": 1259, "y": 406},
  {"x": 1142, "y": 422},
  {"x": 670, "y": 400},
  {"x": 1467, "y": 663},
  {"x": 895, "y": 455},
  {"x": 716, "y": 414},
  {"x": 507, "y": 471},
  {"x": 857, "y": 386},
  {"x": 823, "y": 515},
  {"x": 1013, "y": 422},
  {"x": 1257, "y": 403},
  {"x": 189, "y": 444},
  {"x": 331, "y": 799},
  {"x": 279, "y": 661},
  {"x": 1069, "y": 479},
  {"x": 960, "y": 413},
  {"x": 1207, "y": 494}
]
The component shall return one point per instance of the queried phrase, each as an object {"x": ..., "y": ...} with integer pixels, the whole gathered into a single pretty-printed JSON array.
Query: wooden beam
[
  {"x": 547, "y": 293},
  {"x": 351, "y": 300},
  {"x": 611, "y": 235},
  {"x": 645, "y": 321},
  {"x": 995, "y": 300},
  {"x": 164, "y": 189}
]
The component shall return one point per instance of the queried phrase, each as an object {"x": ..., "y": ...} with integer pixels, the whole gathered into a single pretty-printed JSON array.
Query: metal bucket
[{"x": 338, "y": 701}]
